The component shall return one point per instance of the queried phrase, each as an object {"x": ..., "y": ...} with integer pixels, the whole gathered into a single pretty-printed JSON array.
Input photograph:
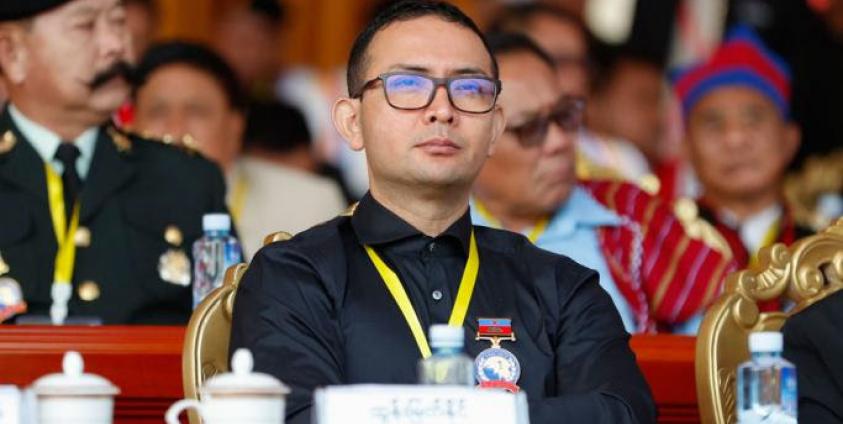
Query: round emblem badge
[
  {"x": 11, "y": 298},
  {"x": 497, "y": 365}
]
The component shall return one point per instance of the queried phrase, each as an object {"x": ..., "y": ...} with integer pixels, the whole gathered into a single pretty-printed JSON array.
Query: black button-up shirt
[{"x": 315, "y": 312}]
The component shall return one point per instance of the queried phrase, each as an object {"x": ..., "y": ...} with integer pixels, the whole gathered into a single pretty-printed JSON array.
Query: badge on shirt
[
  {"x": 11, "y": 298},
  {"x": 496, "y": 367},
  {"x": 174, "y": 267}
]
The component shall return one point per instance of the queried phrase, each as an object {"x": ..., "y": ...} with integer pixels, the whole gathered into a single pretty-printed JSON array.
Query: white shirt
[
  {"x": 46, "y": 142},
  {"x": 754, "y": 229},
  {"x": 268, "y": 197}
]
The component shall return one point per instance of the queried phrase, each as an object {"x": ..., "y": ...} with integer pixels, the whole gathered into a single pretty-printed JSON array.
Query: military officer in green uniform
[{"x": 95, "y": 224}]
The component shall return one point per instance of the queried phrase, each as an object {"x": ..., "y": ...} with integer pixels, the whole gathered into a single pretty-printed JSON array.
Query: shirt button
[
  {"x": 431, "y": 246},
  {"x": 436, "y": 295}
]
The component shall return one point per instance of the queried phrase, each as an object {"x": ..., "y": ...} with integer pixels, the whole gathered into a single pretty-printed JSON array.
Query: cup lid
[
  {"x": 243, "y": 381},
  {"x": 73, "y": 381}
]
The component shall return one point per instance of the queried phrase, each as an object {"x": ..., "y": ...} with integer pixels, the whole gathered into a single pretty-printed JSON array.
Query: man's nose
[{"x": 440, "y": 109}]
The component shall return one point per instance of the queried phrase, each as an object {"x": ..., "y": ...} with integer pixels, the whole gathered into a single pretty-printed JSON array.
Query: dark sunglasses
[
  {"x": 568, "y": 115},
  {"x": 406, "y": 91}
]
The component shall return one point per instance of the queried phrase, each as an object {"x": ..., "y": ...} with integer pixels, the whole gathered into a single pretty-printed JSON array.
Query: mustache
[{"x": 119, "y": 69}]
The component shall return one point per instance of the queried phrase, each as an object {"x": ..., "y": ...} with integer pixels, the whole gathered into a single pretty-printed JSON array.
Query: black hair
[
  {"x": 515, "y": 42},
  {"x": 398, "y": 12},
  {"x": 196, "y": 56},
  {"x": 276, "y": 127},
  {"x": 605, "y": 59},
  {"x": 272, "y": 10},
  {"x": 517, "y": 18}
]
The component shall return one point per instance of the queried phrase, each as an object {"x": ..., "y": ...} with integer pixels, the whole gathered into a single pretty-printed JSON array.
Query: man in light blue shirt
[{"x": 529, "y": 186}]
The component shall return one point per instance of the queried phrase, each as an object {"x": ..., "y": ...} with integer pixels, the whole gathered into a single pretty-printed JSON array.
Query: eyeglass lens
[{"x": 407, "y": 91}]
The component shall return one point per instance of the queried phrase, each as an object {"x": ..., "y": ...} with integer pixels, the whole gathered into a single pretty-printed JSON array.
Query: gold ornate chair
[
  {"x": 820, "y": 175},
  {"x": 806, "y": 272},
  {"x": 205, "y": 351}
]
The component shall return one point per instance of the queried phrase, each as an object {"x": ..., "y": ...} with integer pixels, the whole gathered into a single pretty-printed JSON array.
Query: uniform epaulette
[
  {"x": 687, "y": 213},
  {"x": 186, "y": 143},
  {"x": 121, "y": 139}
]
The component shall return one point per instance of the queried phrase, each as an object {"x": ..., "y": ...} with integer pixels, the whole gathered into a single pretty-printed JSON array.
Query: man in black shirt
[
  {"x": 812, "y": 342},
  {"x": 323, "y": 308}
]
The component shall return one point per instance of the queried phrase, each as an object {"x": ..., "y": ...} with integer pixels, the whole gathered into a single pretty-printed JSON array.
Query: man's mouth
[{"x": 439, "y": 146}]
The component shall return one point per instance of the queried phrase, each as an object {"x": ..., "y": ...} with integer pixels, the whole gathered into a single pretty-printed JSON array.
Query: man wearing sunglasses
[
  {"x": 350, "y": 301},
  {"x": 530, "y": 186}
]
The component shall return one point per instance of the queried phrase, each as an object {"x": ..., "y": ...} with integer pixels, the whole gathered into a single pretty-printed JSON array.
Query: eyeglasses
[
  {"x": 472, "y": 94},
  {"x": 568, "y": 115}
]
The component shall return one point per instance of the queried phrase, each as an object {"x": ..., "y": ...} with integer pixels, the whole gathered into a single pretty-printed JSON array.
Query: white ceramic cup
[
  {"x": 238, "y": 397},
  {"x": 73, "y": 396},
  {"x": 232, "y": 409},
  {"x": 75, "y": 409}
]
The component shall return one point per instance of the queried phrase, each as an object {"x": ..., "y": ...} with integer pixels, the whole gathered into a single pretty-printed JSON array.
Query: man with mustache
[
  {"x": 95, "y": 224},
  {"x": 350, "y": 300},
  {"x": 740, "y": 137}
]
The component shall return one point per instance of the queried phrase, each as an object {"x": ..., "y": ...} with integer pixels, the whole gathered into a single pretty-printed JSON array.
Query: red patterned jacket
[{"x": 665, "y": 276}]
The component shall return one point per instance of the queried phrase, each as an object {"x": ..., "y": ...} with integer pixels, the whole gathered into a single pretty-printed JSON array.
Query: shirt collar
[
  {"x": 581, "y": 210},
  {"x": 46, "y": 142},
  {"x": 375, "y": 224}
]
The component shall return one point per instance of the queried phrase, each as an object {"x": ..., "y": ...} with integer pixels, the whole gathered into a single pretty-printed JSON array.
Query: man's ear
[
  {"x": 237, "y": 129},
  {"x": 346, "y": 116},
  {"x": 792, "y": 140},
  {"x": 498, "y": 126},
  {"x": 13, "y": 54}
]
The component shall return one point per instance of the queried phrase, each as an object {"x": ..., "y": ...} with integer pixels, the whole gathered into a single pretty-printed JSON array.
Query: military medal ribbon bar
[{"x": 494, "y": 327}]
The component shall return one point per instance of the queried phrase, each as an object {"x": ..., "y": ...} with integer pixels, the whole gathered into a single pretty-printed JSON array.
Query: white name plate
[
  {"x": 399, "y": 404},
  {"x": 10, "y": 402}
]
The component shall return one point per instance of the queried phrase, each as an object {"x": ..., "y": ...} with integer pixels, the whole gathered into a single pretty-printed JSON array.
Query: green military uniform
[{"x": 141, "y": 209}]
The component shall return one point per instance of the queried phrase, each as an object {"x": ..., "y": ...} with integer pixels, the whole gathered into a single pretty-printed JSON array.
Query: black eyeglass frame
[
  {"x": 544, "y": 122},
  {"x": 437, "y": 82}
]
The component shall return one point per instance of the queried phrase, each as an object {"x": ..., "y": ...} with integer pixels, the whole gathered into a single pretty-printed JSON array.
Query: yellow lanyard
[
  {"x": 534, "y": 233},
  {"x": 769, "y": 238},
  {"x": 66, "y": 253},
  {"x": 238, "y": 198},
  {"x": 396, "y": 289}
]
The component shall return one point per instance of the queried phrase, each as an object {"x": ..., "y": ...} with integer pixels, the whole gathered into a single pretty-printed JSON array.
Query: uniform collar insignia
[{"x": 120, "y": 140}]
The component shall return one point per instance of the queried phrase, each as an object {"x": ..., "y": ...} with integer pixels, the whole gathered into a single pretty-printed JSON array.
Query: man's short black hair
[
  {"x": 272, "y": 10},
  {"x": 515, "y": 42},
  {"x": 276, "y": 127},
  {"x": 606, "y": 59},
  {"x": 398, "y": 12},
  {"x": 196, "y": 56},
  {"x": 518, "y": 17}
]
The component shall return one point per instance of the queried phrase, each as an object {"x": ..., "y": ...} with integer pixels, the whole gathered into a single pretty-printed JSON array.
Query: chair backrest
[
  {"x": 205, "y": 351},
  {"x": 806, "y": 272}
]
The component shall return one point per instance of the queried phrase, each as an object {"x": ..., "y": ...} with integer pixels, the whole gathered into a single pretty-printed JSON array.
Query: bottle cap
[
  {"x": 765, "y": 341},
  {"x": 446, "y": 336},
  {"x": 216, "y": 222}
]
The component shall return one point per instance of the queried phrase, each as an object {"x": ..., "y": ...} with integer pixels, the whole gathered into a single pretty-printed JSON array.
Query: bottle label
[{"x": 789, "y": 395}]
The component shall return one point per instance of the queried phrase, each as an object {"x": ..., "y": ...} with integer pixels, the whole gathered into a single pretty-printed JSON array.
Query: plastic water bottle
[
  {"x": 766, "y": 383},
  {"x": 448, "y": 364},
  {"x": 213, "y": 253}
]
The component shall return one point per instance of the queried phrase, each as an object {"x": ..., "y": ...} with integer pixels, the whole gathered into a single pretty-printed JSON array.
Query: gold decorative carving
[
  {"x": 727, "y": 384},
  {"x": 804, "y": 273},
  {"x": 820, "y": 175}
]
